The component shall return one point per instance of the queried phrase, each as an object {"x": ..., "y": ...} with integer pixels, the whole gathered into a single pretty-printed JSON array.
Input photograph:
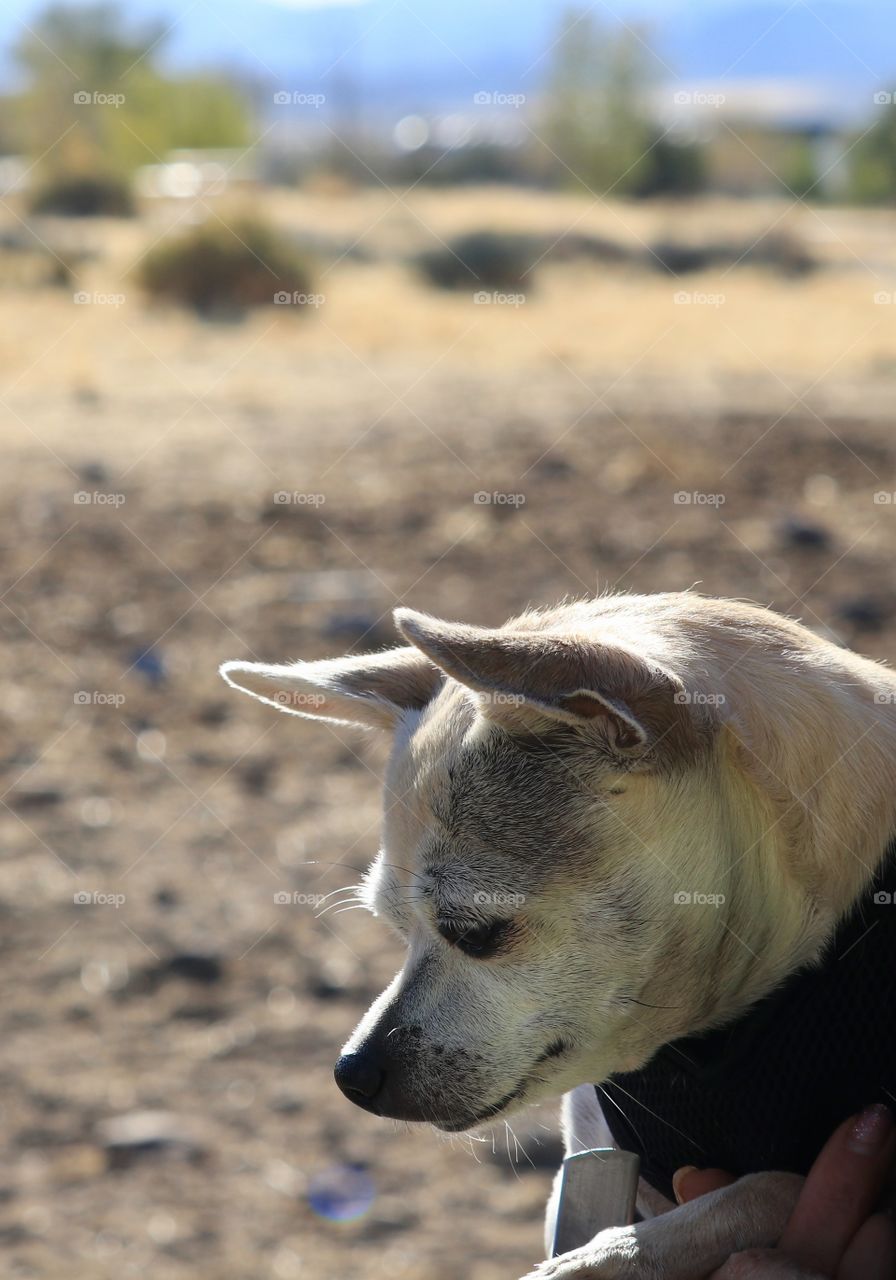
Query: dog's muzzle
[{"x": 401, "y": 1076}]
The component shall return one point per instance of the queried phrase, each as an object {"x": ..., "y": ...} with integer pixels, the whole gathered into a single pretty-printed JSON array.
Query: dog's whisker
[
  {"x": 645, "y": 1005},
  {"x": 346, "y": 888},
  {"x": 621, "y": 1112},
  {"x": 357, "y": 903}
]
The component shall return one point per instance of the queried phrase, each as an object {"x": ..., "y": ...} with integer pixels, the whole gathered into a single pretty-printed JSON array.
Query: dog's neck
[
  {"x": 821, "y": 813},
  {"x": 801, "y": 820}
]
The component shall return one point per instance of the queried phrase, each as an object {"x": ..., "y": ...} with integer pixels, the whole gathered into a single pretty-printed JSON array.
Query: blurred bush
[
  {"x": 599, "y": 127},
  {"x": 481, "y": 259},
  {"x": 780, "y": 251},
  {"x": 95, "y": 101},
  {"x": 84, "y": 195},
  {"x": 218, "y": 269},
  {"x": 874, "y": 160}
]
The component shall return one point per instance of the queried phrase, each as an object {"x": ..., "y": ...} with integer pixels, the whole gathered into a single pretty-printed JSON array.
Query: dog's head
[{"x": 558, "y": 815}]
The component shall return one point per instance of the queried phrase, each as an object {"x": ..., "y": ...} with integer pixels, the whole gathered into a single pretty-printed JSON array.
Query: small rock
[
  {"x": 93, "y": 472},
  {"x": 139, "y": 1134},
  {"x": 213, "y": 713},
  {"x": 148, "y": 664},
  {"x": 193, "y": 966},
  {"x": 255, "y": 775},
  {"x": 551, "y": 468},
  {"x": 797, "y": 532},
  {"x": 35, "y": 797},
  {"x": 865, "y": 612}
]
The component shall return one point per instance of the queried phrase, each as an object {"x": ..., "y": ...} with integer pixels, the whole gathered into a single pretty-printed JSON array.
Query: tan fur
[{"x": 564, "y": 777}]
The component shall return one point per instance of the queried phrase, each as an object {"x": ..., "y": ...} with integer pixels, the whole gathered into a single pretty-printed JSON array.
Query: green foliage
[
  {"x": 218, "y": 269},
  {"x": 95, "y": 100},
  {"x": 874, "y": 160},
  {"x": 598, "y": 128},
  {"x": 481, "y": 259}
]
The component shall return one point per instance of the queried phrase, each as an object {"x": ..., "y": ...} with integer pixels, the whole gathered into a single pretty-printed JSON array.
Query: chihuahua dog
[{"x": 614, "y": 827}]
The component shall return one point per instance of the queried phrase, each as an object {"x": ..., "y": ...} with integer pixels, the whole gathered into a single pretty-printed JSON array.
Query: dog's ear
[
  {"x": 372, "y": 690},
  {"x": 526, "y": 676}
]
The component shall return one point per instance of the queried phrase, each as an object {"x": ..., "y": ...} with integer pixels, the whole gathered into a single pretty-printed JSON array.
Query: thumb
[{"x": 688, "y": 1182}]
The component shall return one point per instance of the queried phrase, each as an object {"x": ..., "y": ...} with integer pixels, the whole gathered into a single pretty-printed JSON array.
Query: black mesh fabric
[{"x": 767, "y": 1091}]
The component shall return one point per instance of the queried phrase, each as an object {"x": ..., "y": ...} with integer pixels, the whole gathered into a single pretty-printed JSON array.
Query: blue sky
[{"x": 431, "y": 50}]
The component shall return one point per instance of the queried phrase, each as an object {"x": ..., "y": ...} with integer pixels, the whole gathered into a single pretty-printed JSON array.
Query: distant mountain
[{"x": 434, "y": 54}]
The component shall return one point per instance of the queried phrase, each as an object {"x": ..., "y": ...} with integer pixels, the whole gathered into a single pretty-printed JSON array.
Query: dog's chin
[
  {"x": 498, "y": 1110},
  {"x": 540, "y": 1083}
]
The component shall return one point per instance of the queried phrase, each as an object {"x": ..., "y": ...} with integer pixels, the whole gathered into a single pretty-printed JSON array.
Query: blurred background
[{"x": 308, "y": 310}]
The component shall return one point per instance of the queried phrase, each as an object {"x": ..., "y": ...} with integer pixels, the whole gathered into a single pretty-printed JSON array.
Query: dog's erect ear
[
  {"x": 522, "y": 675},
  {"x": 371, "y": 689}
]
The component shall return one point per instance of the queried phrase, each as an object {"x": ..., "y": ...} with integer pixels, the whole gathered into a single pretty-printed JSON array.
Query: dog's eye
[{"x": 474, "y": 940}]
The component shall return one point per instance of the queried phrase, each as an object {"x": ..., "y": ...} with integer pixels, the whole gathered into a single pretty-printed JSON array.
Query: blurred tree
[
  {"x": 95, "y": 100},
  {"x": 874, "y": 159},
  {"x": 599, "y": 126}
]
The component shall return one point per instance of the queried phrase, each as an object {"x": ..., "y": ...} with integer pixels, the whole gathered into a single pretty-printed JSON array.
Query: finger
[
  {"x": 841, "y": 1190},
  {"x": 689, "y": 1182},
  {"x": 872, "y": 1253}
]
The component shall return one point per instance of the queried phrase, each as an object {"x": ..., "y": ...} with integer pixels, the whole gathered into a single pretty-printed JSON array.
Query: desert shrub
[
  {"x": 481, "y": 259},
  {"x": 779, "y": 251},
  {"x": 225, "y": 269},
  {"x": 84, "y": 195},
  {"x": 26, "y": 261}
]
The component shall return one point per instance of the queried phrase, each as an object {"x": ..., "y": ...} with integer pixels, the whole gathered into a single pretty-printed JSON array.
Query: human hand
[{"x": 834, "y": 1230}]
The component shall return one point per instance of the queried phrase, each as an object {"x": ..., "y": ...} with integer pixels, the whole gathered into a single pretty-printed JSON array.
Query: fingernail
[
  {"x": 676, "y": 1179},
  {"x": 870, "y": 1129}
]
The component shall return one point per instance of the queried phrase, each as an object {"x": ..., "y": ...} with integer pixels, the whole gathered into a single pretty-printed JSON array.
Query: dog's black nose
[{"x": 360, "y": 1078}]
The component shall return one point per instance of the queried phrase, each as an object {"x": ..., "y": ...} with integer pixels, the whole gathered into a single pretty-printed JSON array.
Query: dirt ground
[{"x": 177, "y": 493}]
